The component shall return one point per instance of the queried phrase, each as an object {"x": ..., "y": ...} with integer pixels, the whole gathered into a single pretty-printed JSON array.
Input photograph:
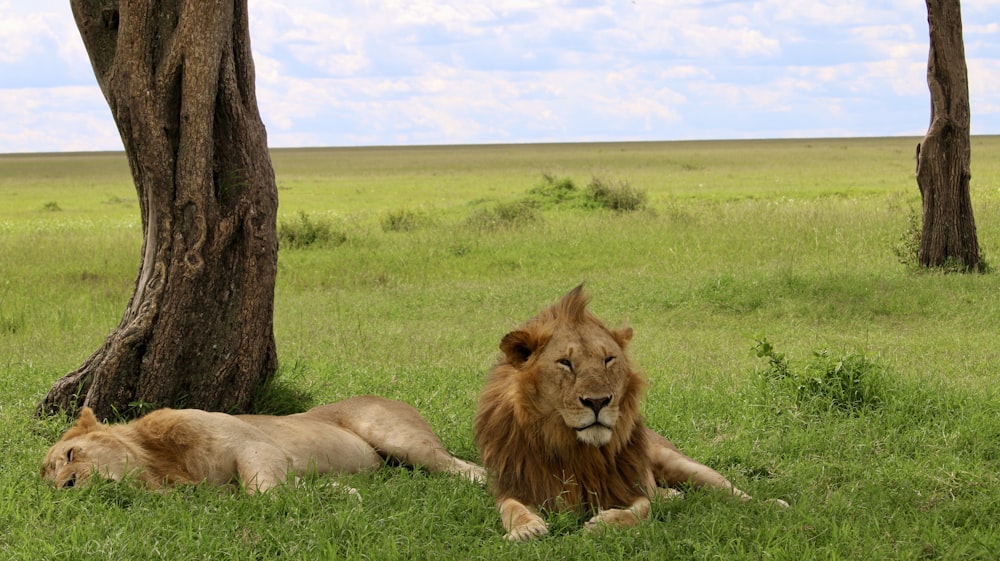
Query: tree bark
[
  {"x": 948, "y": 237},
  {"x": 198, "y": 329}
]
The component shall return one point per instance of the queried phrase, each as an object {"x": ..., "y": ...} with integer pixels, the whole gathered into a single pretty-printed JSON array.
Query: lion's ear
[
  {"x": 622, "y": 336},
  {"x": 517, "y": 346},
  {"x": 87, "y": 421}
]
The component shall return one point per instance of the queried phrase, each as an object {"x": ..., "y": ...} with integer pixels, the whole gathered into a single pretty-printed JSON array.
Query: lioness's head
[
  {"x": 574, "y": 370},
  {"x": 87, "y": 449}
]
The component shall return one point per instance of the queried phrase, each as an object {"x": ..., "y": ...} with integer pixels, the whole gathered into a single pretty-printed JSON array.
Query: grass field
[{"x": 786, "y": 345}]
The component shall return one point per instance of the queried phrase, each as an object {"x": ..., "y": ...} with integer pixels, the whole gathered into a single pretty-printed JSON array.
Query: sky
[{"x": 414, "y": 72}]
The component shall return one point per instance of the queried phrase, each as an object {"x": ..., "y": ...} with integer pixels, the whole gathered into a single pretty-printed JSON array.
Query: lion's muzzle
[
  {"x": 595, "y": 404},
  {"x": 595, "y": 420}
]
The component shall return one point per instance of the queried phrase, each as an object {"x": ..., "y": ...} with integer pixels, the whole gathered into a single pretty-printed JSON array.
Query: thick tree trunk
[
  {"x": 197, "y": 332},
  {"x": 948, "y": 237}
]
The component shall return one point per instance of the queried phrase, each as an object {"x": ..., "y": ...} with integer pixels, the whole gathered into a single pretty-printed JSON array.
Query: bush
[
  {"x": 600, "y": 193},
  {"x": 552, "y": 192},
  {"x": 849, "y": 383},
  {"x": 907, "y": 248},
  {"x": 620, "y": 197},
  {"x": 306, "y": 232},
  {"x": 404, "y": 220},
  {"x": 503, "y": 215}
]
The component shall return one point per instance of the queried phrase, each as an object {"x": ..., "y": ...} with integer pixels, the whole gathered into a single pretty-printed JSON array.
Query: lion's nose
[{"x": 595, "y": 403}]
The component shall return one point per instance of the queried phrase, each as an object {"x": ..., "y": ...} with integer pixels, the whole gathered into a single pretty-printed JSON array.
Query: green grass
[{"x": 429, "y": 257}]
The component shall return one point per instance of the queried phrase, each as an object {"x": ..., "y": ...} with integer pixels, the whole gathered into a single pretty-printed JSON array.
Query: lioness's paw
[
  {"x": 525, "y": 532},
  {"x": 476, "y": 475},
  {"x": 669, "y": 493},
  {"x": 344, "y": 488},
  {"x": 773, "y": 502}
]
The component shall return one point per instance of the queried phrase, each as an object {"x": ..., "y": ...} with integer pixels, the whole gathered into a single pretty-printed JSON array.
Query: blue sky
[{"x": 388, "y": 72}]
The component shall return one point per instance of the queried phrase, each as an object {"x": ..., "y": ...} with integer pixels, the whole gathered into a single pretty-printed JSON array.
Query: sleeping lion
[
  {"x": 558, "y": 427},
  {"x": 180, "y": 446}
]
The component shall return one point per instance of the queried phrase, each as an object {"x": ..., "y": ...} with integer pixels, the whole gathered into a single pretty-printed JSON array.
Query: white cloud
[
  {"x": 980, "y": 29},
  {"x": 980, "y": 6},
  {"x": 686, "y": 72},
  {"x": 831, "y": 13},
  {"x": 901, "y": 77},
  {"x": 56, "y": 119},
  {"x": 984, "y": 83},
  {"x": 27, "y": 32},
  {"x": 330, "y": 44},
  {"x": 456, "y": 16}
]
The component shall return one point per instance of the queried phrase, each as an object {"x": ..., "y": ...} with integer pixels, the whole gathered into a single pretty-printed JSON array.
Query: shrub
[
  {"x": 404, "y": 220},
  {"x": 306, "y": 232},
  {"x": 907, "y": 248},
  {"x": 849, "y": 383},
  {"x": 600, "y": 193},
  {"x": 620, "y": 197},
  {"x": 553, "y": 191},
  {"x": 503, "y": 215}
]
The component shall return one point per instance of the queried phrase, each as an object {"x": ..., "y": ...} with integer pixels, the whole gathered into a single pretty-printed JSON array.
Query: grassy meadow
[{"x": 787, "y": 342}]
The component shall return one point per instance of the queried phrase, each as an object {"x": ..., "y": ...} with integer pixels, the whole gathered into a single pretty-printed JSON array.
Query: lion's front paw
[
  {"x": 613, "y": 517},
  {"x": 527, "y": 531},
  {"x": 777, "y": 502}
]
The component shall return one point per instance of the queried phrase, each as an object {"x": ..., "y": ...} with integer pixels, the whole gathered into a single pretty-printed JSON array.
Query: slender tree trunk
[
  {"x": 197, "y": 332},
  {"x": 948, "y": 237}
]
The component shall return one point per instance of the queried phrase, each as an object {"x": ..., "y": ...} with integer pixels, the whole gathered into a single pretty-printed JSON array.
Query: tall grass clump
[
  {"x": 10, "y": 322},
  {"x": 502, "y": 215},
  {"x": 306, "y": 231},
  {"x": 907, "y": 247},
  {"x": 404, "y": 220},
  {"x": 600, "y": 193},
  {"x": 553, "y": 192},
  {"x": 617, "y": 196},
  {"x": 849, "y": 383}
]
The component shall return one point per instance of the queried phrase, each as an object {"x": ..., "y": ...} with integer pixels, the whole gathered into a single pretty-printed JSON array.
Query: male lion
[
  {"x": 178, "y": 446},
  {"x": 559, "y": 427}
]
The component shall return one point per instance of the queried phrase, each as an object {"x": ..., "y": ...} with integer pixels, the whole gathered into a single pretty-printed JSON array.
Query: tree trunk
[
  {"x": 948, "y": 237},
  {"x": 198, "y": 330}
]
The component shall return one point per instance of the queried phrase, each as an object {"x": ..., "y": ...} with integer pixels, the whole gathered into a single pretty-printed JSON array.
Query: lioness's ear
[
  {"x": 622, "y": 336},
  {"x": 517, "y": 346},
  {"x": 87, "y": 421}
]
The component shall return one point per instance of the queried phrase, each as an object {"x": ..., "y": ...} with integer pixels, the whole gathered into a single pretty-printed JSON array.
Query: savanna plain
[{"x": 789, "y": 341}]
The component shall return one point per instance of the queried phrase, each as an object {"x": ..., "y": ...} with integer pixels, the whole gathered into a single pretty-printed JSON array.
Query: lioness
[
  {"x": 178, "y": 446},
  {"x": 558, "y": 426}
]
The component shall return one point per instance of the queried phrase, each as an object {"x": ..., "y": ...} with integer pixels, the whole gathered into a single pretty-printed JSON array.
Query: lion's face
[
  {"x": 85, "y": 451},
  {"x": 579, "y": 370}
]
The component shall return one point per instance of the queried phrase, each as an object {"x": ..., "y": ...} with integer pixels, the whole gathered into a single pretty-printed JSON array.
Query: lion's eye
[
  {"x": 609, "y": 361},
  {"x": 565, "y": 363}
]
